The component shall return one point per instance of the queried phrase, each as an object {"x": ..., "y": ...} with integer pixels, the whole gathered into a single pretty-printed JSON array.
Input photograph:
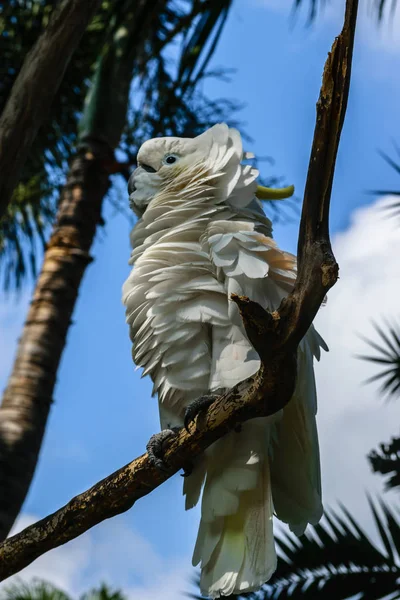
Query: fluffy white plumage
[{"x": 202, "y": 234}]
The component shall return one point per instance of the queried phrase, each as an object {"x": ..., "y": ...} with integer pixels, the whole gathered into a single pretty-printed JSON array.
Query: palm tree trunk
[
  {"x": 28, "y": 396},
  {"x": 35, "y": 87}
]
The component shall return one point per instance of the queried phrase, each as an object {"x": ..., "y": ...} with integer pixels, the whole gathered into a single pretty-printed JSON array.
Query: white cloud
[
  {"x": 112, "y": 553},
  {"x": 75, "y": 451},
  {"x": 353, "y": 418},
  {"x": 168, "y": 585}
]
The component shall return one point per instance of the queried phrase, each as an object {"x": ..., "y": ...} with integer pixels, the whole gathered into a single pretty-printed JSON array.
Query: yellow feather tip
[{"x": 266, "y": 193}]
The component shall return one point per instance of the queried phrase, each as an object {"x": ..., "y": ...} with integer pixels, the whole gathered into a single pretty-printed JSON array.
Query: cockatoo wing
[
  {"x": 295, "y": 466},
  {"x": 173, "y": 300},
  {"x": 251, "y": 264}
]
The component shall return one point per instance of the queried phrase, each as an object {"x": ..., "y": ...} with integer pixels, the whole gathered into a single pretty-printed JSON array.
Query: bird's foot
[
  {"x": 187, "y": 470},
  {"x": 155, "y": 450},
  {"x": 155, "y": 447},
  {"x": 200, "y": 406}
]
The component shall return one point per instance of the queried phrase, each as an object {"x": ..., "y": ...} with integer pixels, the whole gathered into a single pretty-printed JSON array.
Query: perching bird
[{"x": 202, "y": 235}]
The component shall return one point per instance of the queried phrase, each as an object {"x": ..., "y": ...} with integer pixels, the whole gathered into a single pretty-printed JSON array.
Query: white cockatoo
[{"x": 202, "y": 235}]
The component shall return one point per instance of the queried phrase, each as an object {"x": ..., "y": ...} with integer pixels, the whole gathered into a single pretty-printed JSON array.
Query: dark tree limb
[
  {"x": 317, "y": 268},
  {"x": 275, "y": 336},
  {"x": 35, "y": 87},
  {"x": 28, "y": 397}
]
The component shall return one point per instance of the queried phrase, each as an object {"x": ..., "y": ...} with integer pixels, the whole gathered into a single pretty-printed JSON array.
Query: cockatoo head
[
  {"x": 161, "y": 161},
  {"x": 210, "y": 161}
]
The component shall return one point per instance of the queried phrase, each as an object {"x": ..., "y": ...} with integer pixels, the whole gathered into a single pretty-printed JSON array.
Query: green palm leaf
[
  {"x": 386, "y": 461},
  {"x": 166, "y": 99},
  {"x": 42, "y": 590},
  {"x": 104, "y": 592},
  {"x": 387, "y": 354},
  {"x": 394, "y": 207},
  {"x": 314, "y": 7},
  {"x": 36, "y": 590},
  {"x": 33, "y": 207},
  {"x": 380, "y": 7},
  {"x": 203, "y": 38}
]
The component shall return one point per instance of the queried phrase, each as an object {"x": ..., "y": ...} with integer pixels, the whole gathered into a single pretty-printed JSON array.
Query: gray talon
[
  {"x": 198, "y": 406},
  {"x": 187, "y": 470},
  {"x": 155, "y": 449}
]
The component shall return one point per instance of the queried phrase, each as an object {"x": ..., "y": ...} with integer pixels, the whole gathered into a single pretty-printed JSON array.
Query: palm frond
[
  {"x": 167, "y": 98},
  {"x": 35, "y": 590},
  {"x": 33, "y": 206},
  {"x": 390, "y": 161},
  {"x": 336, "y": 560},
  {"x": 386, "y": 461},
  {"x": 315, "y": 6},
  {"x": 104, "y": 592},
  {"x": 202, "y": 38},
  {"x": 115, "y": 50},
  {"x": 125, "y": 55},
  {"x": 393, "y": 209},
  {"x": 387, "y": 354},
  {"x": 380, "y": 8},
  {"x": 24, "y": 228},
  {"x": 385, "y": 5}
]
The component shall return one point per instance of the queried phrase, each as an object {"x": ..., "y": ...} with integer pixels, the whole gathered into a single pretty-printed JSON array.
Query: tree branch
[
  {"x": 275, "y": 336},
  {"x": 317, "y": 268},
  {"x": 35, "y": 87}
]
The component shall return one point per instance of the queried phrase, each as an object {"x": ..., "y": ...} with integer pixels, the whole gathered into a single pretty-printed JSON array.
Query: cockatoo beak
[{"x": 266, "y": 193}]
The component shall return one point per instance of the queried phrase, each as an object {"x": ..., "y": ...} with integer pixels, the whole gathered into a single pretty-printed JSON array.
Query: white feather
[{"x": 202, "y": 236}]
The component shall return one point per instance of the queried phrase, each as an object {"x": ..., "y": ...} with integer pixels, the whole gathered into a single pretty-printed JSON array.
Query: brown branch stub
[
  {"x": 275, "y": 336},
  {"x": 260, "y": 324}
]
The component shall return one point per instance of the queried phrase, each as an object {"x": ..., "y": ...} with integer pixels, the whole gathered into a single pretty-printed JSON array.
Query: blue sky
[{"x": 103, "y": 414}]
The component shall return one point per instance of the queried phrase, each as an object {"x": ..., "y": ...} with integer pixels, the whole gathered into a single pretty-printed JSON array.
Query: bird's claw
[
  {"x": 187, "y": 470},
  {"x": 155, "y": 448},
  {"x": 198, "y": 406}
]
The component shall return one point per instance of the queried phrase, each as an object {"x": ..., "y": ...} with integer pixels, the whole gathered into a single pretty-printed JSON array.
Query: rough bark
[
  {"x": 28, "y": 396},
  {"x": 317, "y": 268},
  {"x": 274, "y": 335},
  {"x": 35, "y": 87}
]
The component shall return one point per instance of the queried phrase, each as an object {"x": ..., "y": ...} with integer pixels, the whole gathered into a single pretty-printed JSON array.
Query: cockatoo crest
[{"x": 210, "y": 162}]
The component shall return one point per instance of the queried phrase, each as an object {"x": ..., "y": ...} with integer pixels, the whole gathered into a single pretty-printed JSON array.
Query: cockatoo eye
[{"x": 170, "y": 159}]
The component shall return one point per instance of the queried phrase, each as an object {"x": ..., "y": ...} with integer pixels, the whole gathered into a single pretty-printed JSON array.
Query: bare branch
[
  {"x": 275, "y": 336},
  {"x": 35, "y": 87},
  {"x": 118, "y": 492},
  {"x": 317, "y": 267}
]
